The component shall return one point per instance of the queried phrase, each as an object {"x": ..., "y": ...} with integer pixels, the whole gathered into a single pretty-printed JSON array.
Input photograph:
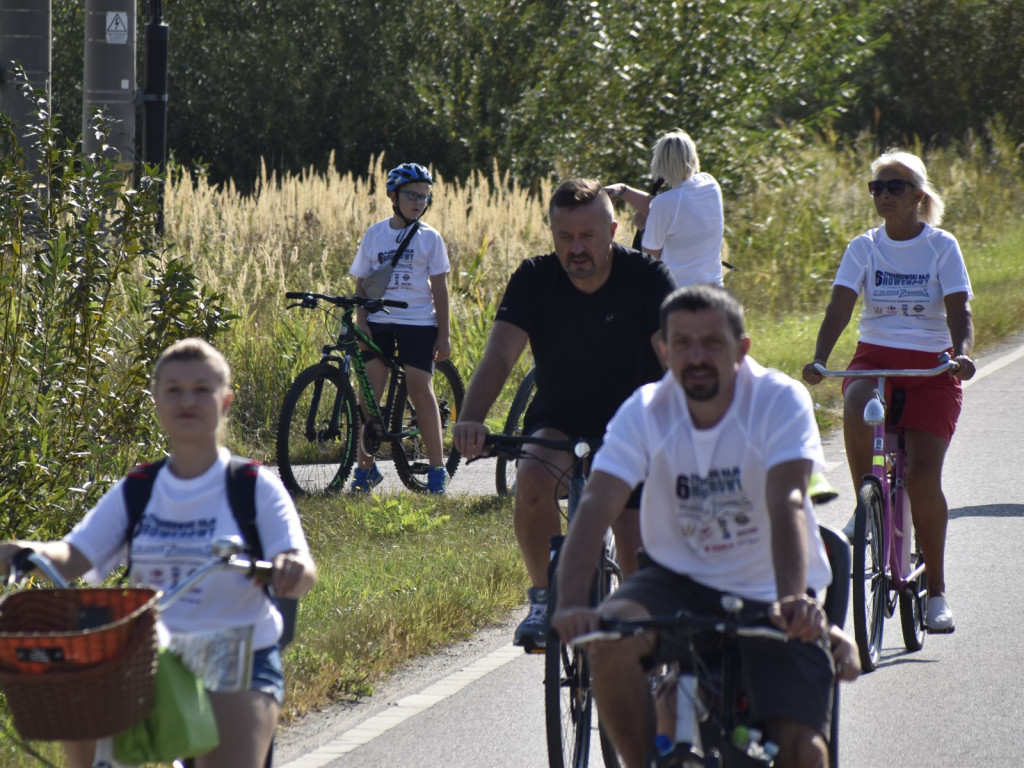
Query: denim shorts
[{"x": 268, "y": 673}]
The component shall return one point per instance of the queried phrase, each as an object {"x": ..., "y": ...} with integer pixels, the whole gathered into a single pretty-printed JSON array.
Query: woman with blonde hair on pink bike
[{"x": 916, "y": 305}]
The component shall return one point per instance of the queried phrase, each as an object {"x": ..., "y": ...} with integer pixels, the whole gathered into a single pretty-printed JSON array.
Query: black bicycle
[
  {"x": 321, "y": 419},
  {"x": 504, "y": 467},
  {"x": 703, "y": 648},
  {"x": 568, "y": 699}
]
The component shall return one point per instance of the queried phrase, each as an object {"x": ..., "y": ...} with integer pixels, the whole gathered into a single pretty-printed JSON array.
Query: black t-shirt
[{"x": 591, "y": 350}]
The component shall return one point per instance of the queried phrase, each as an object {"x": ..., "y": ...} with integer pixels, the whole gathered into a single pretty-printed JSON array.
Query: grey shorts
[{"x": 784, "y": 680}]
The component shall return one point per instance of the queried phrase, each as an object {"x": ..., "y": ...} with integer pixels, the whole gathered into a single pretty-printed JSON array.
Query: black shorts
[
  {"x": 784, "y": 680},
  {"x": 415, "y": 343},
  {"x": 538, "y": 417}
]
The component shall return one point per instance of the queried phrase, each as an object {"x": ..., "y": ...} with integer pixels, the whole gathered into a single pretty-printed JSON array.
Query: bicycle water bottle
[{"x": 686, "y": 709}]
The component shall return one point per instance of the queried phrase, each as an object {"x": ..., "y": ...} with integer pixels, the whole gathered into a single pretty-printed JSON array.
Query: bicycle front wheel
[
  {"x": 869, "y": 580},
  {"x": 407, "y": 448},
  {"x": 607, "y": 582},
  {"x": 317, "y": 431},
  {"x": 505, "y": 469},
  {"x": 568, "y": 703}
]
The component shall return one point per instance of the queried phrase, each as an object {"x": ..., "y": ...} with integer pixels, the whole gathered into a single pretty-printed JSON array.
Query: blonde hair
[
  {"x": 932, "y": 207},
  {"x": 194, "y": 349},
  {"x": 674, "y": 158}
]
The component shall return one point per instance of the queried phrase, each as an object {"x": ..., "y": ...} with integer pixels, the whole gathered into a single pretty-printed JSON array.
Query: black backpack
[{"x": 241, "y": 483}]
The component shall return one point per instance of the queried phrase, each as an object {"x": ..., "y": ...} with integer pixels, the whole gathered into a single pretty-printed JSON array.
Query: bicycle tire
[
  {"x": 608, "y": 582},
  {"x": 504, "y": 469},
  {"x": 316, "y": 435},
  {"x": 869, "y": 581},
  {"x": 407, "y": 450},
  {"x": 913, "y": 604},
  {"x": 568, "y": 701}
]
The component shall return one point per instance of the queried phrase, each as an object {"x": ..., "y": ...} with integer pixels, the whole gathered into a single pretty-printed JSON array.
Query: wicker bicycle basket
[{"x": 78, "y": 663}]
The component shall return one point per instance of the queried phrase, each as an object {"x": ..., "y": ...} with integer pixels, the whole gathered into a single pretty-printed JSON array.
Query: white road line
[
  {"x": 405, "y": 708},
  {"x": 991, "y": 368}
]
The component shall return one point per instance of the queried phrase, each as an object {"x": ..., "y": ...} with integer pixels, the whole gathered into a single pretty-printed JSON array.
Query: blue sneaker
[
  {"x": 532, "y": 633},
  {"x": 437, "y": 480},
  {"x": 364, "y": 480}
]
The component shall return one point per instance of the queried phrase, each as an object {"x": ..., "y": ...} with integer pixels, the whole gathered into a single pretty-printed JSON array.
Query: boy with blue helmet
[{"x": 420, "y": 331}]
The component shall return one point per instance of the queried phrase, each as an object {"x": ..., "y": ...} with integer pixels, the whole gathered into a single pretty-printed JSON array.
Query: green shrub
[{"x": 88, "y": 298}]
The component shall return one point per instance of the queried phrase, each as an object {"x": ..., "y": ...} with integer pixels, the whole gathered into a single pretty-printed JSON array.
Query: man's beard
[{"x": 703, "y": 391}]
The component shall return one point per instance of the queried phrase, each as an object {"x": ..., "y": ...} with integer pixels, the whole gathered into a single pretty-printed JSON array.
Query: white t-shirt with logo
[
  {"x": 424, "y": 257},
  {"x": 903, "y": 283},
  {"x": 180, "y": 521},
  {"x": 687, "y": 224},
  {"x": 703, "y": 511}
]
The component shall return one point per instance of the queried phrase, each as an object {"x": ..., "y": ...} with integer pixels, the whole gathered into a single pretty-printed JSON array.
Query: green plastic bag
[{"x": 181, "y": 723}]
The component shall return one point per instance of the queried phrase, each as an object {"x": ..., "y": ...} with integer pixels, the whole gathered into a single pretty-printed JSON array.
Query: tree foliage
[{"x": 574, "y": 86}]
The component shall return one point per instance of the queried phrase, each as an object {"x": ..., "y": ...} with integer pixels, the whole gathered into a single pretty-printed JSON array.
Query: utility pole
[
  {"x": 109, "y": 77},
  {"x": 25, "y": 37},
  {"x": 154, "y": 99}
]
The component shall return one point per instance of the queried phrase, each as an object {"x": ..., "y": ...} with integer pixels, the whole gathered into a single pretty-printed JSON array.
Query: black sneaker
[{"x": 532, "y": 633}]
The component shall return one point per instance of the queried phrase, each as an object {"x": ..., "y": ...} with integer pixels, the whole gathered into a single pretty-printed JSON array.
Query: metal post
[
  {"x": 154, "y": 100},
  {"x": 109, "y": 78},
  {"x": 25, "y": 37}
]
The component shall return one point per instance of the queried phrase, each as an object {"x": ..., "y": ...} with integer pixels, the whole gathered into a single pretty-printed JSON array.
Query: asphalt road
[{"x": 953, "y": 703}]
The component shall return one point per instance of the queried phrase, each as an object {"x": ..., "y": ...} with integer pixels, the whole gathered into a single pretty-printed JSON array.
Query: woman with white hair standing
[
  {"x": 916, "y": 305},
  {"x": 685, "y": 225}
]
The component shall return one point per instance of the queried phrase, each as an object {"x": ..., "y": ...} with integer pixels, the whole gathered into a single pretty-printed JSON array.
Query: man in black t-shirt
[{"x": 590, "y": 313}]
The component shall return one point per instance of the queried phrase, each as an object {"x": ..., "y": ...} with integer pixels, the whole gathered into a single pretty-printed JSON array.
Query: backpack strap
[
  {"x": 242, "y": 474},
  {"x": 137, "y": 488}
]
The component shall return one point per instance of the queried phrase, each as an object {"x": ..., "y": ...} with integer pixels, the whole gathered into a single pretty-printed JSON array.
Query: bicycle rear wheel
[
  {"x": 317, "y": 431},
  {"x": 504, "y": 469},
  {"x": 869, "y": 580},
  {"x": 407, "y": 449}
]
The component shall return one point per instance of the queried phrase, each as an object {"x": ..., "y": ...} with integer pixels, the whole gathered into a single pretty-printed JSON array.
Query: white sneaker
[
  {"x": 848, "y": 528},
  {"x": 940, "y": 617}
]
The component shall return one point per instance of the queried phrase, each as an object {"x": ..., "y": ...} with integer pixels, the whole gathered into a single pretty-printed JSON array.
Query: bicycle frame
[
  {"x": 568, "y": 700},
  {"x": 350, "y": 335},
  {"x": 887, "y": 441}
]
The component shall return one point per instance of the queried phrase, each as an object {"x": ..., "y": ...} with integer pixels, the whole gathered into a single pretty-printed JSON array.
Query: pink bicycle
[{"x": 887, "y": 562}]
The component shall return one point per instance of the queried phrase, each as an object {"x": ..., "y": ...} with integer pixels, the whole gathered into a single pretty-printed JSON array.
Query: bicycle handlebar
[
  {"x": 225, "y": 550},
  {"x": 309, "y": 300},
  {"x": 686, "y": 623},
  {"x": 511, "y": 446},
  {"x": 25, "y": 560},
  {"x": 945, "y": 364}
]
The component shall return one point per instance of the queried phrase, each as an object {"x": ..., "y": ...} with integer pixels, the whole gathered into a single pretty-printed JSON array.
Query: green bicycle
[{"x": 321, "y": 419}]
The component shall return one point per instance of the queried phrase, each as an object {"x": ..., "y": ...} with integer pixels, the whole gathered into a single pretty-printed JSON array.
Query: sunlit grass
[{"x": 398, "y": 576}]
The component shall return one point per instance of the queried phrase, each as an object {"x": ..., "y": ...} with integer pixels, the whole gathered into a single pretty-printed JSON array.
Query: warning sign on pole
[{"x": 117, "y": 28}]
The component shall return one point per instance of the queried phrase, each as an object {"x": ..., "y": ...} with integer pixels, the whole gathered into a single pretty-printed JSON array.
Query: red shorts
[{"x": 933, "y": 402}]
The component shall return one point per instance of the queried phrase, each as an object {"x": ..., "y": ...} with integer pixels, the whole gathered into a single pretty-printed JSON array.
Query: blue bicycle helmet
[{"x": 407, "y": 173}]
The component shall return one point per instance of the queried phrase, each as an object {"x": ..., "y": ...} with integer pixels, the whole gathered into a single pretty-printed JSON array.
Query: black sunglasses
[{"x": 895, "y": 186}]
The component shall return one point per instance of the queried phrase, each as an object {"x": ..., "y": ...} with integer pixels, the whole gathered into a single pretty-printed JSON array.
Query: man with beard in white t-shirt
[{"x": 725, "y": 449}]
